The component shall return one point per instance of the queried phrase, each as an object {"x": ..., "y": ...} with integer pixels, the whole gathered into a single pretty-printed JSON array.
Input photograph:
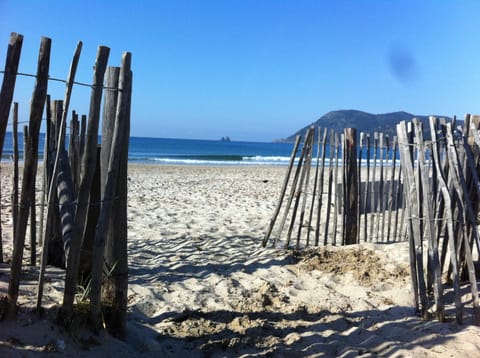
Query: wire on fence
[{"x": 65, "y": 81}]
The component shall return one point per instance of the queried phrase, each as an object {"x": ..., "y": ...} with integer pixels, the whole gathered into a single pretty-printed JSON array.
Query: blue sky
[{"x": 258, "y": 70}]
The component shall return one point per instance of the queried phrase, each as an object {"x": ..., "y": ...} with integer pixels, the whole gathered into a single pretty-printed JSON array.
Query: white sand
[{"x": 201, "y": 285}]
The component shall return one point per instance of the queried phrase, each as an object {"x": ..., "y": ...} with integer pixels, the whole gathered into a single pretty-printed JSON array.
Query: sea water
[
  {"x": 188, "y": 151},
  {"x": 204, "y": 152}
]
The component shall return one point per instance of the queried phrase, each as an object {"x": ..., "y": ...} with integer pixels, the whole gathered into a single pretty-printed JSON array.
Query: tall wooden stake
[
  {"x": 87, "y": 171},
  {"x": 29, "y": 170}
]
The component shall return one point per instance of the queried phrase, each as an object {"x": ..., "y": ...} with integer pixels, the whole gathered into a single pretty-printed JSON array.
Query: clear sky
[{"x": 258, "y": 70}]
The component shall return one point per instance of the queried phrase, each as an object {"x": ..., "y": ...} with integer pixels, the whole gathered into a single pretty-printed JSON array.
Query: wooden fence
[
  {"x": 69, "y": 181},
  {"x": 348, "y": 190},
  {"x": 432, "y": 199},
  {"x": 442, "y": 191}
]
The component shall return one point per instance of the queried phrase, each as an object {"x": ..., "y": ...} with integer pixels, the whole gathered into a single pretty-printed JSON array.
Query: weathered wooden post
[
  {"x": 29, "y": 170},
  {"x": 320, "y": 188},
  {"x": 282, "y": 193},
  {"x": 117, "y": 248},
  {"x": 329, "y": 190},
  {"x": 351, "y": 187},
  {"x": 121, "y": 119},
  {"x": 315, "y": 182},
  {"x": 8, "y": 83},
  {"x": 6, "y": 94},
  {"x": 15, "y": 169},
  {"x": 73, "y": 149},
  {"x": 307, "y": 169},
  {"x": 367, "y": 191},
  {"x": 301, "y": 171},
  {"x": 428, "y": 216},
  {"x": 87, "y": 171}
]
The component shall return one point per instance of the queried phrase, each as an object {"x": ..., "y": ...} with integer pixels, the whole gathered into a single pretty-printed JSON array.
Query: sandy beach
[{"x": 201, "y": 285}]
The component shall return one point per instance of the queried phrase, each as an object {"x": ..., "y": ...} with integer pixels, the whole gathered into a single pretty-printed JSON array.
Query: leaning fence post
[
  {"x": 87, "y": 171},
  {"x": 15, "y": 169},
  {"x": 6, "y": 94},
  {"x": 282, "y": 194},
  {"x": 8, "y": 83},
  {"x": 29, "y": 170},
  {"x": 60, "y": 148}
]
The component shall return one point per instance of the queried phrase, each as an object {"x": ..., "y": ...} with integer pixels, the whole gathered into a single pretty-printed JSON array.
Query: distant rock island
[
  {"x": 225, "y": 139},
  {"x": 363, "y": 122}
]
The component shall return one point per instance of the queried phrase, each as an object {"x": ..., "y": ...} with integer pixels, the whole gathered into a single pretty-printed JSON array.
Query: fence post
[
  {"x": 413, "y": 210},
  {"x": 121, "y": 118},
  {"x": 29, "y": 170},
  {"x": 6, "y": 95},
  {"x": 429, "y": 230},
  {"x": 282, "y": 194},
  {"x": 8, "y": 83},
  {"x": 351, "y": 187},
  {"x": 87, "y": 171}
]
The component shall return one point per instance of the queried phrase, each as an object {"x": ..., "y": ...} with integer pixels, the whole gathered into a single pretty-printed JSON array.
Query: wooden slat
[
  {"x": 443, "y": 188},
  {"x": 314, "y": 191},
  {"x": 351, "y": 187},
  {"x": 320, "y": 188},
  {"x": 413, "y": 210},
  {"x": 465, "y": 205},
  {"x": 282, "y": 192},
  {"x": 329, "y": 187},
  {"x": 428, "y": 222},
  {"x": 87, "y": 171},
  {"x": 29, "y": 170}
]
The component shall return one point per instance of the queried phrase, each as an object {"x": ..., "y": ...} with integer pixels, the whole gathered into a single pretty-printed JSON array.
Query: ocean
[
  {"x": 202, "y": 152},
  {"x": 189, "y": 151}
]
